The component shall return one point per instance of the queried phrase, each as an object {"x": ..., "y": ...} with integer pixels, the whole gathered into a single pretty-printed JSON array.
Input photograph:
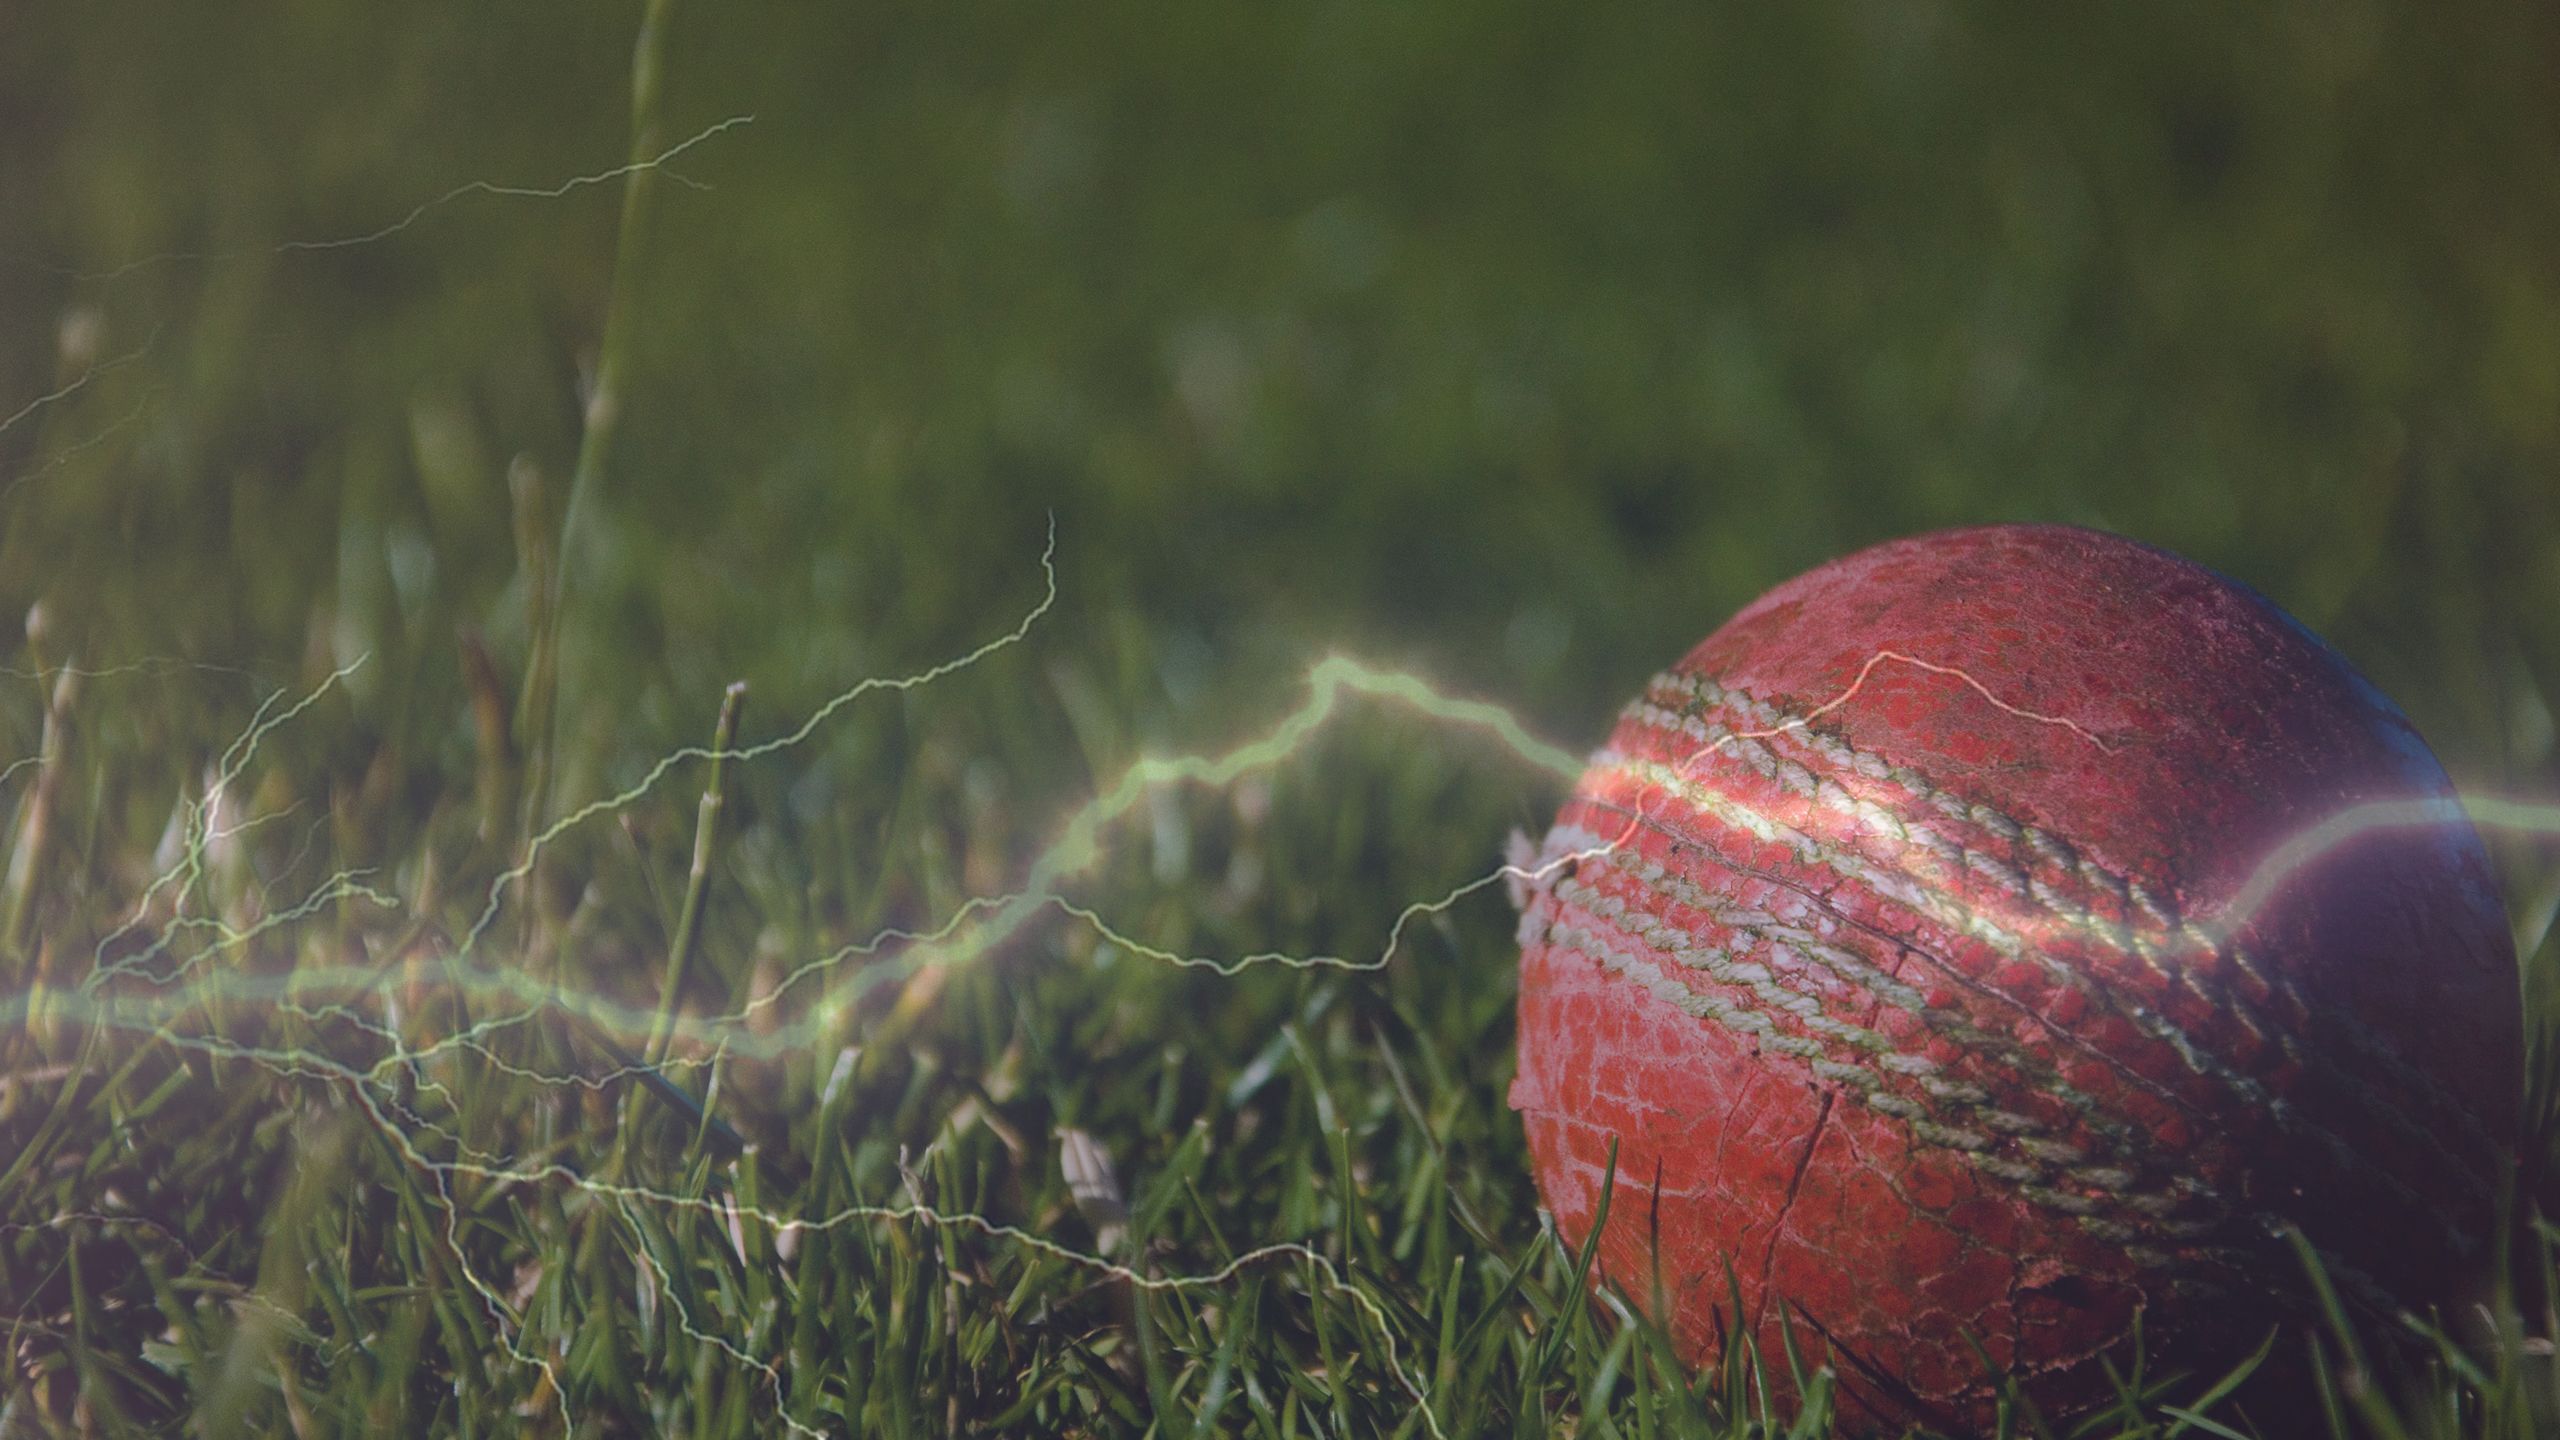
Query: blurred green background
[{"x": 1517, "y": 344}]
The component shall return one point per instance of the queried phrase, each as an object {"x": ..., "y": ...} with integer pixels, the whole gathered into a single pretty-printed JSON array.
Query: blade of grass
[{"x": 606, "y": 400}]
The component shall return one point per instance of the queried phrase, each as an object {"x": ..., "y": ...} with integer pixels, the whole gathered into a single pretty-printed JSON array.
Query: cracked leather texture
[{"x": 1911, "y": 1014}]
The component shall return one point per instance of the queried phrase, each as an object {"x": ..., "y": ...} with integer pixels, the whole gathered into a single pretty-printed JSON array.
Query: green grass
[
  {"x": 1511, "y": 351},
  {"x": 234, "y": 1214}
]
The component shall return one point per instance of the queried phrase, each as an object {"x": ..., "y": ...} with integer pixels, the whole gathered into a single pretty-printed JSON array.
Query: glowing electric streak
[
  {"x": 423, "y": 209},
  {"x": 983, "y": 923},
  {"x": 974, "y": 928},
  {"x": 76, "y": 385},
  {"x": 78, "y": 448},
  {"x": 2311, "y": 844},
  {"x": 198, "y": 828},
  {"x": 820, "y": 716}
]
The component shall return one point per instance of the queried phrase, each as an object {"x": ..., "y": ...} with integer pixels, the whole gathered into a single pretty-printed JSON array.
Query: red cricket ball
[{"x": 1952, "y": 946}]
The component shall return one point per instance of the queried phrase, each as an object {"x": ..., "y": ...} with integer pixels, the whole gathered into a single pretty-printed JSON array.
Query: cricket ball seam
[
  {"x": 1957, "y": 1104},
  {"x": 2180, "y": 1239},
  {"x": 1769, "y": 722},
  {"x": 1918, "y": 895},
  {"x": 2149, "y": 1217},
  {"x": 2230, "y": 1001},
  {"x": 2040, "y": 1165},
  {"x": 2043, "y": 1161},
  {"x": 2106, "y": 1077},
  {"x": 1789, "y": 942}
]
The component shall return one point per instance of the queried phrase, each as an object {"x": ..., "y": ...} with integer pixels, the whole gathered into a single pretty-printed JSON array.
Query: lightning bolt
[
  {"x": 423, "y": 209},
  {"x": 972, "y": 930},
  {"x": 2305, "y": 848},
  {"x": 78, "y": 384}
]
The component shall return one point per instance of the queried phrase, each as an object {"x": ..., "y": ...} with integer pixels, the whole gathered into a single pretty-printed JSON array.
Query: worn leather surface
[{"x": 1892, "y": 938}]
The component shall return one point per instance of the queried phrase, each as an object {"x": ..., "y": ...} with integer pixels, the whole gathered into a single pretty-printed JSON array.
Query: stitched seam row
[
  {"x": 1954, "y": 914},
  {"x": 2166, "y": 939},
  {"x": 2130, "y": 1234}
]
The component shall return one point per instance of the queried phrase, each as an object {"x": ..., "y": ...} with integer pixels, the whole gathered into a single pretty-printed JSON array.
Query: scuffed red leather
[{"x": 1915, "y": 1019}]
